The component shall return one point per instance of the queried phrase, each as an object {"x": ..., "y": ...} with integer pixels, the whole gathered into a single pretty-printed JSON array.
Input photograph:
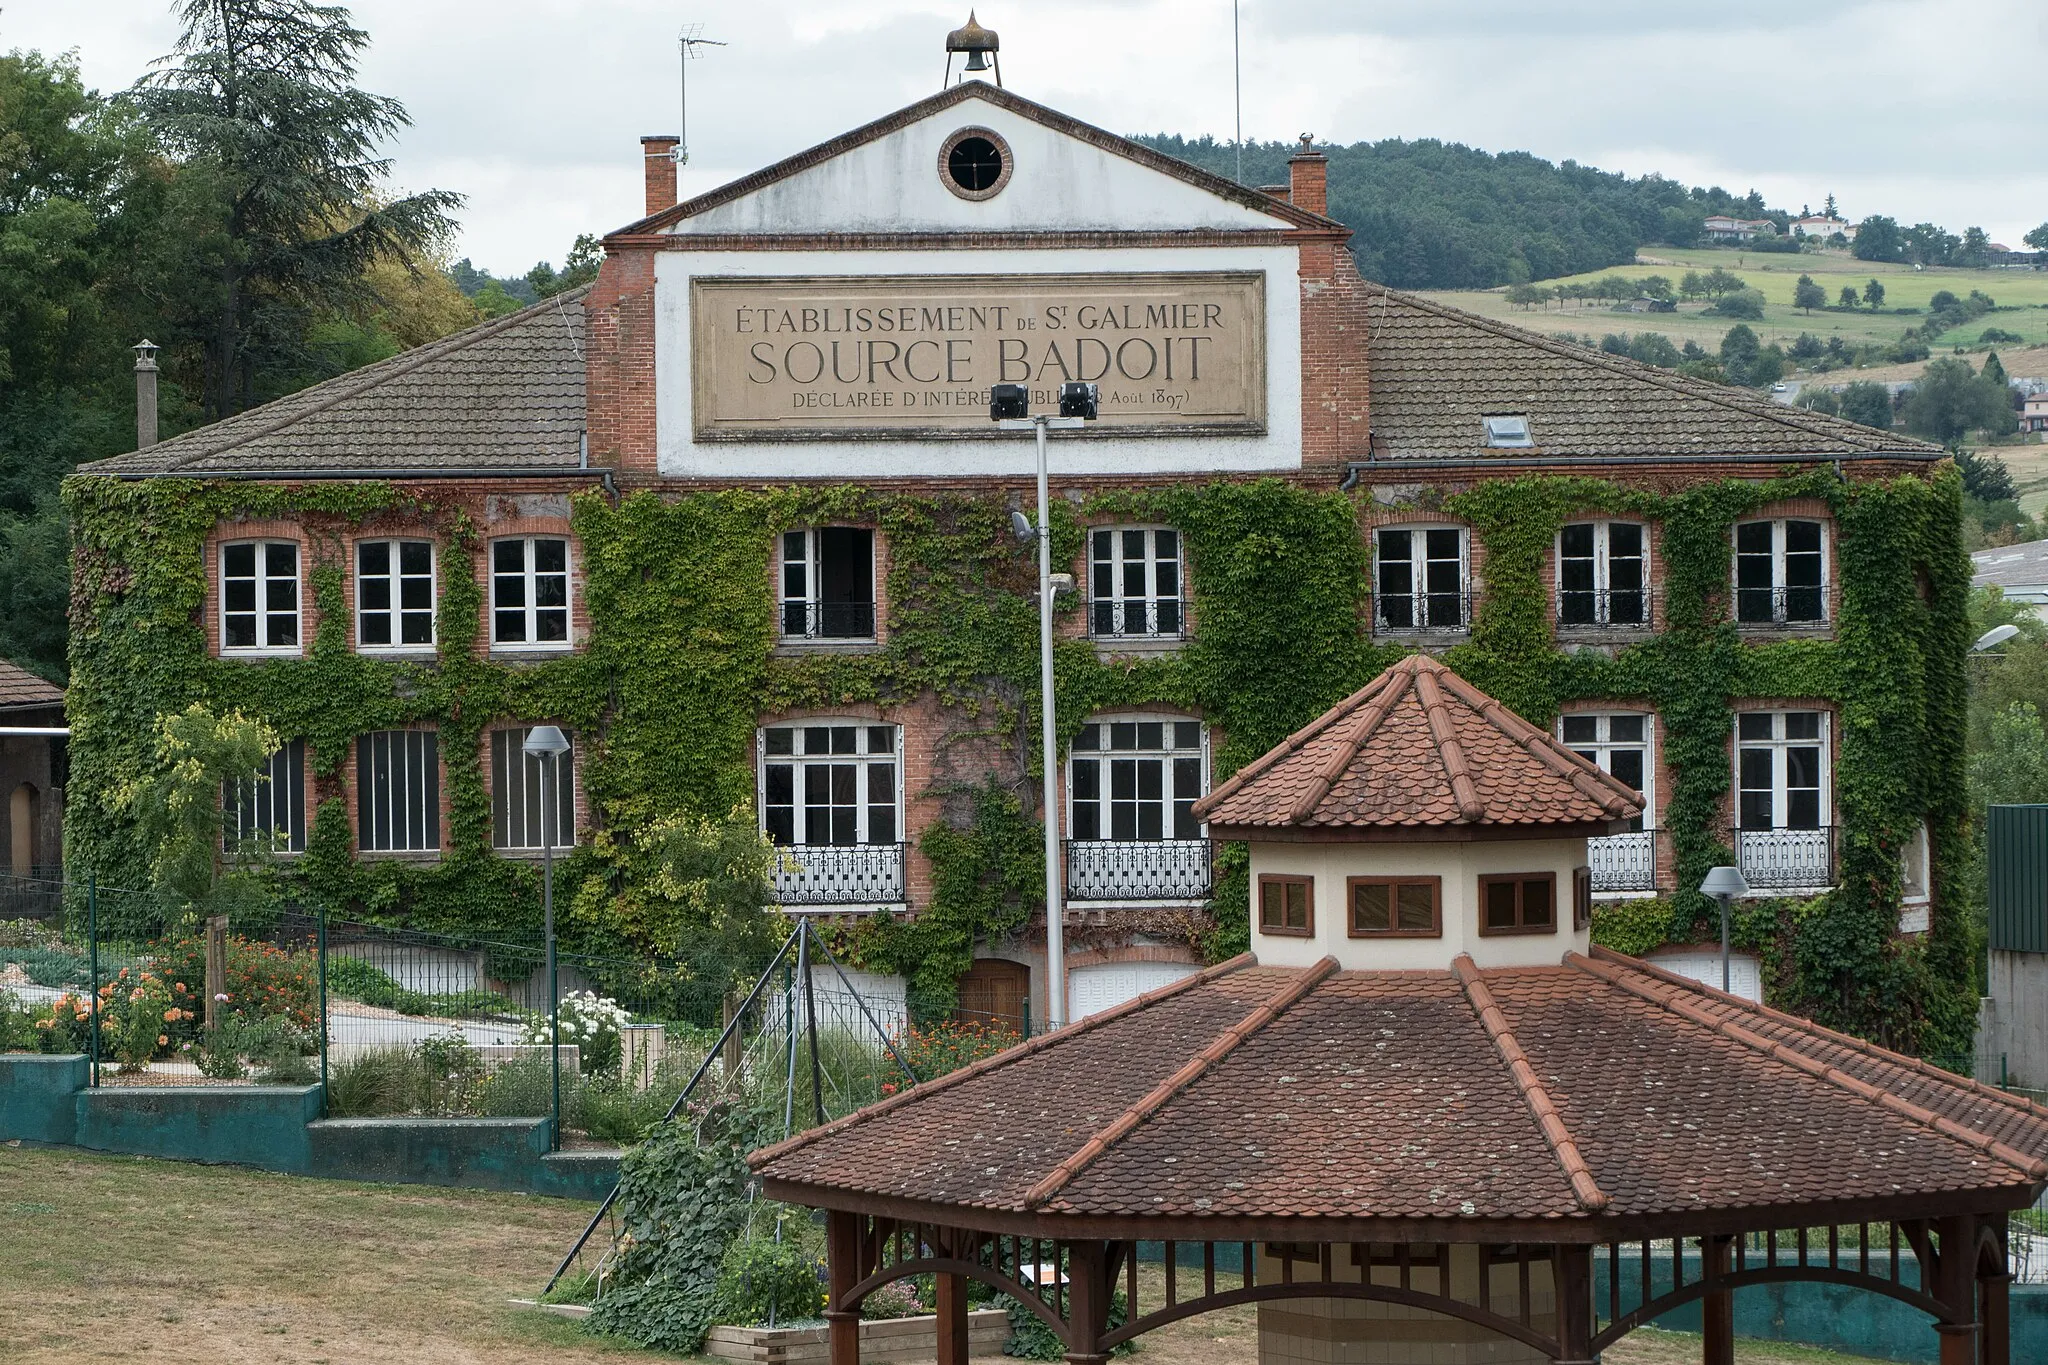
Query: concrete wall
[
  {"x": 1460, "y": 865},
  {"x": 244, "y": 1125},
  {"x": 2012, "y": 1021},
  {"x": 38, "y": 1097}
]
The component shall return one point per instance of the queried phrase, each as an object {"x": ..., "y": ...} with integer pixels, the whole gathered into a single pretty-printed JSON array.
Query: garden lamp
[
  {"x": 1724, "y": 884},
  {"x": 546, "y": 744}
]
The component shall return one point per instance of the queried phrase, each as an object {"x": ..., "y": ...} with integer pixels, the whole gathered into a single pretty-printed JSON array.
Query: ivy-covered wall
[{"x": 681, "y": 664}]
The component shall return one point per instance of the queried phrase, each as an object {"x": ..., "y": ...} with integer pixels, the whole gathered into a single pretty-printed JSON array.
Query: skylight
[{"x": 1508, "y": 431}]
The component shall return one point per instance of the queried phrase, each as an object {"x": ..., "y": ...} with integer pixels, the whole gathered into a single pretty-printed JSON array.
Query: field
[
  {"x": 122, "y": 1258},
  {"x": 2022, "y": 297}
]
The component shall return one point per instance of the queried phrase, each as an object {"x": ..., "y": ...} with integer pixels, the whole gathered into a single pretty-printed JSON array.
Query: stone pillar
[
  {"x": 952, "y": 1314},
  {"x": 842, "y": 1272},
  {"x": 1718, "y": 1309},
  {"x": 1574, "y": 1305}
]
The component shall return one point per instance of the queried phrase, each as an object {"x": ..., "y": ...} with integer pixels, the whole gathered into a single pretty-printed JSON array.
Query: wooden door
[{"x": 995, "y": 991}]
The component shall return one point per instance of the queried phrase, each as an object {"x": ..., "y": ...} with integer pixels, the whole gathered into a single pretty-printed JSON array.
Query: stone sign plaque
[{"x": 911, "y": 356}]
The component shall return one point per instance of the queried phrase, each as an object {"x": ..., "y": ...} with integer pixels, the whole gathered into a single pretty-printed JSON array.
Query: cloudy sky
[{"x": 1922, "y": 109}]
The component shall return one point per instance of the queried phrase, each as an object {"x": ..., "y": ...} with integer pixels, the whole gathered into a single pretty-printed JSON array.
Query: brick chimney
[
  {"x": 1308, "y": 173},
  {"x": 659, "y": 153}
]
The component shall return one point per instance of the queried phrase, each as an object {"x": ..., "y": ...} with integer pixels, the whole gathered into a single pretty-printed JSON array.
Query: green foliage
[
  {"x": 373, "y": 1082},
  {"x": 762, "y": 1280},
  {"x": 177, "y": 809},
  {"x": 1949, "y": 400},
  {"x": 1868, "y": 402}
]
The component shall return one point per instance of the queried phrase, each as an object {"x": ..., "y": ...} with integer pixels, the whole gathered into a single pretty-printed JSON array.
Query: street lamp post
[
  {"x": 1725, "y": 884},
  {"x": 547, "y": 744},
  {"x": 1009, "y": 406}
]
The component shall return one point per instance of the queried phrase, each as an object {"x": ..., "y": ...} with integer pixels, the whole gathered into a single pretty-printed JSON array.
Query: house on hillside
[
  {"x": 1823, "y": 226},
  {"x": 737, "y": 518},
  {"x": 32, "y": 773},
  {"x": 2034, "y": 412},
  {"x": 1720, "y": 227}
]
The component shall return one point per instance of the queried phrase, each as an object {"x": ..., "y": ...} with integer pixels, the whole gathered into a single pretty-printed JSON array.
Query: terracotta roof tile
[
  {"x": 19, "y": 687},
  {"x": 1436, "y": 371},
  {"x": 1395, "y": 1095},
  {"x": 504, "y": 394},
  {"x": 1418, "y": 745}
]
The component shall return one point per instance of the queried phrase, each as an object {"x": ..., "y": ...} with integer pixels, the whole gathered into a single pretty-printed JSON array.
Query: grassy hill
[{"x": 2022, "y": 297}]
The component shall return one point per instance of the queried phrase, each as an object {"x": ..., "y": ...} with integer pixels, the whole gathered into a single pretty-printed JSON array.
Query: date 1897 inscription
[{"x": 914, "y": 355}]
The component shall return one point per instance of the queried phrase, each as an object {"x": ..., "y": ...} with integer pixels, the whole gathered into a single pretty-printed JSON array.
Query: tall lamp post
[
  {"x": 1725, "y": 884},
  {"x": 546, "y": 744},
  {"x": 1010, "y": 408}
]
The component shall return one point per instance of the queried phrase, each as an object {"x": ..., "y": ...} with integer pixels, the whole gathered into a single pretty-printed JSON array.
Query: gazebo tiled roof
[
  {"x": 20, "y": 688},
  {"x": 1600, "y": 1087},
  {"x": 1417, "y": 746}
]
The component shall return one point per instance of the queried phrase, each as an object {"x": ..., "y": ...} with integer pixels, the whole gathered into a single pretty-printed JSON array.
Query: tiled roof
[
  {"x": 19, "y": 687},
  {"x": 1596, "y": 1088},
  {"x": 1436, "y": 371},
  {"x": 1418, "y": 745},
  {"x": 504, "y": 394}
]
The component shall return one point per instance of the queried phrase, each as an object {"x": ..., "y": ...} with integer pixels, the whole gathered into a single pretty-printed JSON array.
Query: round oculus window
[{"x": 975, "y": 163}]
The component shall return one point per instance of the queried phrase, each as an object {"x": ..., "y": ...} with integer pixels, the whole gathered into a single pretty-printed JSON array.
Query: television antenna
[{"x": 687, "y": 43}]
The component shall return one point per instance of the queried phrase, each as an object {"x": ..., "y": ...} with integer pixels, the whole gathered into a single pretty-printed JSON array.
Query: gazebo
[{"x": 1425, "y": 1120}]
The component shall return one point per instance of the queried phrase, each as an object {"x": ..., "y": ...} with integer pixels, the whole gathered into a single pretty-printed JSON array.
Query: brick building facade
[{"x": 913, "y": 252}]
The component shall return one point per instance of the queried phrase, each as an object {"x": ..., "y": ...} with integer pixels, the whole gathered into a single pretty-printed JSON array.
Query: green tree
[
  {"x": 1868, "y": 402},
  {"x": 1950, "y": 400},
  {"x": 1526, "y": 295},
  {"x": 1873, "y": 294},
  {"x": 1879, "y": 239},
  {"x": 1655, "y": 286},
  {"x": 1975, "y": 251},
  {"x": 1691, "y": 286},
  {"x": 258, "y": 98},
  {"x": 1743, "y": 303},
  {"x": 2009, "y": 764},
  {"x": 2038, "y": 238},
  {"x": 1985, "y": 477},
  {"x": 578, "y": 268},
  {"x": 178, "y": 804},
  {"x": 1808, "y": 295},
  {"x": 1994, "y": 371},
  {"x": 1848, "y": 298},
  {"x": 1813, "y": 398}
]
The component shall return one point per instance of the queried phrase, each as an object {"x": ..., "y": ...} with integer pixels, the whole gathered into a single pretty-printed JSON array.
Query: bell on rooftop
[{"x": 980, "y": 45}]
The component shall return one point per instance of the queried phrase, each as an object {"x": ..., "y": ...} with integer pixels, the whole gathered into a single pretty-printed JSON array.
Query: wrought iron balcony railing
[
  {"x": 828, "y": 620},
  {"x": 1140, "y": 869},
  {"x": 1422, "y": 613},
  {"x": 1624, "y": 862},
  {"x": 839, "y": 874},
  {"x": 1137, "y": 618},
  {"x": 1786, "y": 859},
  {"x": 1782, "y": 606},
  {"x": 1604, "y": 609}
]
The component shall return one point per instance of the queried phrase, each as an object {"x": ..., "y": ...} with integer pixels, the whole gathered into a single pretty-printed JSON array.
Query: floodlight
[
  {"x": 1008, "y": 402},
  {"x": 1077, "y": 399},
  {"x": 1020, "y": 526}
]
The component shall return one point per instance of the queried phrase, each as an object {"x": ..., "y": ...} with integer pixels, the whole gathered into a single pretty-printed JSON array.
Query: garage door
[
  {"x": 1745, "y": 976},
  {"x": 1090, "y": 990}
]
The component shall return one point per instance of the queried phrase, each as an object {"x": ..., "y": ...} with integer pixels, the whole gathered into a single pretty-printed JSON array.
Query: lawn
[
  {"x": 123, "y": 1258},
  {"x": 2022, "y": 297}
]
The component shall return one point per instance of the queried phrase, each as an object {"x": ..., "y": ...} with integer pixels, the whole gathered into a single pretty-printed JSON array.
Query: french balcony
[
  {"x": 828, "y": 621},
  {"x": 1422, "y": 613},
  {"x": 1624, "y": 862},
  {"x": 1137, "y": 618},
  {"x": 1604, "y": 609},
  {"x": 839, "y": 874},
  {"x": 1762, "y": 608},
  {"x": 1786, "y": 859},
  {"x": 1139, "y": 869}
]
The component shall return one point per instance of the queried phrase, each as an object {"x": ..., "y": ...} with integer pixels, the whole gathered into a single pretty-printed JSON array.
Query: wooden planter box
[{"x": 882, "y": 1340}]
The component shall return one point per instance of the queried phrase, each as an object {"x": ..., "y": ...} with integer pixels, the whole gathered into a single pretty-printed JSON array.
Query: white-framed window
[
  {"x": 1781, "y": 571},
  {"x": 517, "y": 801},
  {"x": 831, "y": 782},
  {"x": 395, "y": 594},
  {"x": 1421, "y": 578},
  {"x": 1136, "y": 779},
  {"x": 1620, "y": 743},
  {"x": 268, "y": 807},
  {"x": 530, "y": 592},
  {"x": 826, "y": 577},
  {"x": 398, "y": 791},
  {"x": 1603, "y": 574},
  {"x": 1134, "y": 582},
  {"x": 1916, "y": 885},
  {"x": 259, "y": 597},
  {"x": 1781, "y": 770}
]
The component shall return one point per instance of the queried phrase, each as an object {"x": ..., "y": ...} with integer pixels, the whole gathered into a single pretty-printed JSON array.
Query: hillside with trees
[{"x": 1440, "y": 215}]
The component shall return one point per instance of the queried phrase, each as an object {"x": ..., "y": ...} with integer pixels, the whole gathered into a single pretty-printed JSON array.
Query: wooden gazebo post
[
  {"x": 842, "y": 1272},
  {"x": 1718, "y": 1308}
]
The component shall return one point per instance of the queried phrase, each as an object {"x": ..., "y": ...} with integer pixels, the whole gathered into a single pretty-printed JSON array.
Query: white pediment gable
[{"x": 1058, "y": 183}]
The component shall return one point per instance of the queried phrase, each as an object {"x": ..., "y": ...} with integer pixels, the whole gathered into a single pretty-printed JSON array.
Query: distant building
[
  {"x": 1721, "y": 228},
  {"x": 2019, "y": 571},
  {"x": 1645, "y": 304},
  {"x": 1823, "y": 226},
  {"x": 2034, "y": 413}
]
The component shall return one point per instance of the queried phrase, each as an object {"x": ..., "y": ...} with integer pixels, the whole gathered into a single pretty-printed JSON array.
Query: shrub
[
  {"x": 524, "y": 1088},
  {"x": 17, "y": 1029},
  {"x": 50, "y": 966},
  {"x": 1998, "y": 336},
  {"x": 261, "y": 979},
  {"x": 935, "y": 1049},
  {"x": 896, "y": 1299},
  {"x": 65, "y": 1024},
  {"x": 762, "y": 1281},
  {"x": 1743, "y": 303},
  {"x": 589, "y": 1021},
  {"x": 450, "y": 1072},
  {"x": 355, "y": 979},
  {"x": 139, "y": 1016},
  {"x": 379, "y": 1081}
]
